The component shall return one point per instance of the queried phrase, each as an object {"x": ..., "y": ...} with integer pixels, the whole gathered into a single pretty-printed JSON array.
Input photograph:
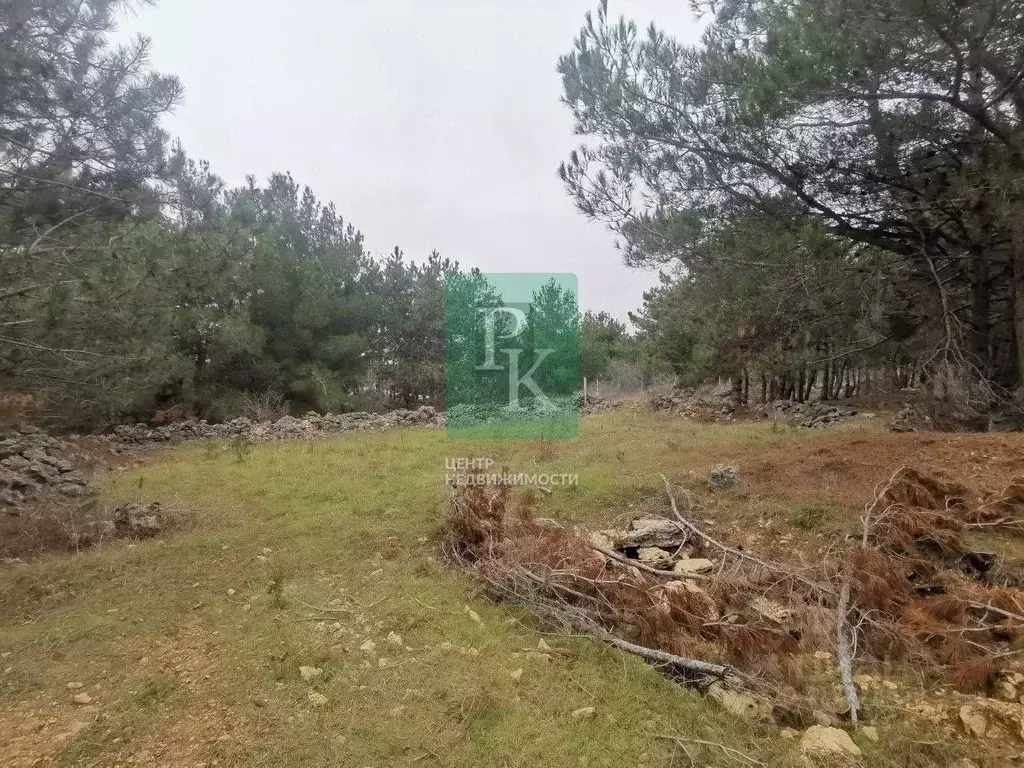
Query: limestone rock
[
  {"x": 742, "y": 704},
  {"x": 693, "y": 566},
  {"x": 136, "y": 519},
  {"x": 771, "y": 610},
  {"x": 310, "y": 673},
  {"x": 651, "y": 532},
  {"x": 974, "y": 722},
  {"x": 823, "y": 739},
  {"x": 723, "y": 477},
  {"x": 654, "y": 557}
]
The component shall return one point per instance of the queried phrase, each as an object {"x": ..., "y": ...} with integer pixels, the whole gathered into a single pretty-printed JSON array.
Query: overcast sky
[{"x": 437, "y": 128}]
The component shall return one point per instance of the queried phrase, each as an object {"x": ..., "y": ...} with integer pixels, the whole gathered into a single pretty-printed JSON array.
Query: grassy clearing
[{"x": 190, "y": 646}]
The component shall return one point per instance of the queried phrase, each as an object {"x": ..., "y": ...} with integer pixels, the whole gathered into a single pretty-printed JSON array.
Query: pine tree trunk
[{"x": 1018, "y": 315}]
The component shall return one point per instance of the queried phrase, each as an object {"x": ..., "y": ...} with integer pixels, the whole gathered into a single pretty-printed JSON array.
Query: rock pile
[
  {"x": 656, "y": 542},
  {"x": 693, "y": 405},
  {"x": 710, "y": 408},
  {"x": 909, "y": 419},
  {"x": 286, "y": 427},
  {"x": 822, "y": 415},
  {"x": 34, "y": 465},
  {"x": 133, "y": 520},
  {"x": 808, "y": 415}
]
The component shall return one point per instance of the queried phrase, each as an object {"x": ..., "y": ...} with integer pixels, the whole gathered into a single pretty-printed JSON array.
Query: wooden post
[{"x": 584, "y": 391}]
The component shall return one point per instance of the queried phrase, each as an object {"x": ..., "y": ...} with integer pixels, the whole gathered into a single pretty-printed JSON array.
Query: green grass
[{"x": 296, "y": 553}]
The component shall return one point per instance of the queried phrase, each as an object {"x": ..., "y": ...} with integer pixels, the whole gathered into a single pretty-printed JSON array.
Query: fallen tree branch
[
  {"x": 696, "y": 666},
  {"x": 1000, "y": 611}
]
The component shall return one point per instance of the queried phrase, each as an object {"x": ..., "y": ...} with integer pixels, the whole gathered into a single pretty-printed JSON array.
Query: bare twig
[
  {"x": 1000, "y": 611},
  {"x": 773, "y": 567},
  {"x": 731, "y": 752}
]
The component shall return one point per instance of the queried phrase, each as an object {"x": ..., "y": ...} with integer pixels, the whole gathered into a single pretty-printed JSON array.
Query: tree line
[
  {"x": 133, "y": 280},
  {"x": 831, "y": 188}
]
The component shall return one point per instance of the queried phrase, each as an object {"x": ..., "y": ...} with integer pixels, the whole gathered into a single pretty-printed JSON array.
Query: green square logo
[{"x": 511, "y": 356}]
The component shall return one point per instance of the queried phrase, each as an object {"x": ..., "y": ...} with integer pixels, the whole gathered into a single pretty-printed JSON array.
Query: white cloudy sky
[{"x": 430, "y": 123}]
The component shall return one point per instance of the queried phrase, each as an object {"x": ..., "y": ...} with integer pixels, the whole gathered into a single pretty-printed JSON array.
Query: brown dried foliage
[{"x": 909, "y": 599}]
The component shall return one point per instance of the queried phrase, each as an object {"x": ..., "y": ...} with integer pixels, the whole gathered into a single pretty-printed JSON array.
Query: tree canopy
[{"x": 861, "y": 162}]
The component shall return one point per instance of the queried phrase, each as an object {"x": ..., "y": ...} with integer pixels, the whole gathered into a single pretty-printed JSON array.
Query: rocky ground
[
  {"x": 713, "y": 408},
  {"x": 286, "y": 427},
  {"x": 33, "y": 464},
  {"x": 48, "y": 499}
]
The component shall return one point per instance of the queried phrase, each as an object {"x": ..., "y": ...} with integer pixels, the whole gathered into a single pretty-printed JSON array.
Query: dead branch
[
  {"x": 844, "y": 651},
  {"x": 696, "y": 531},
  {"x": 869, "y": 509},
  {"x": 1000, "y": 611},
  {"x": 730, "y": 752},
  {"x": 696, "y": 666}
]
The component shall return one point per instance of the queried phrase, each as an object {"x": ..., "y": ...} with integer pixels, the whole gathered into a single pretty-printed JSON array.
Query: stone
[
  {"x": 16, "y": 462},
  {"x": 136, "y": 519},
  {"x": 723, "y": 477},
  {"x": 11, "y": 497},
  {"x": 789, "y": 734},
  {"x": 74, "y": 686},
  {"x": 584, "y": 713},
  {"x": 74, "y": 478},
  {"x": 1007, "y": 691},
  {"x": 394, "y": 639},
  {"x": 771, "y": 610},
  {"x": 693, "y": 566},
  {"x": 864, "y": 682},
  {"x": 310, "y": 673},
  {"x": 823, "y": 739},
  {"x": 22, "y": 482},
  {"x": 870, "y": 733},
  {"x": 41, "y": 473},
  {"x": 742, "y": 704},
  {"x": 822, "y": 718},
  {"x": 650, "y": 532},
  {"x": 654, "y": 557},
  {"x": 516, "y": 675},
  {"x": 317, "y": 699},
  {"x": 368, "y": 647},
  {"x": 974, "y": 722},
  {"x": 82, "y": 698}
]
